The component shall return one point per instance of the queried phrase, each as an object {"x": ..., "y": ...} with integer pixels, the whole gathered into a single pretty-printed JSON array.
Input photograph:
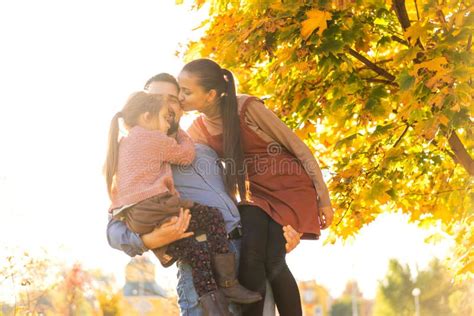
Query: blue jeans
[{"x": 188, "y": 299}]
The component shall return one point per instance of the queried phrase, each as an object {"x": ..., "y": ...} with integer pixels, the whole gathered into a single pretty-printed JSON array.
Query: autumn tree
[
  {"x": 350, "y": 300},
  {"x": 438, "y": 294},
  {"x": 381, "y": 91},
  {"x": 40, "y": 284},
  {"x": 29, "y": 279}
]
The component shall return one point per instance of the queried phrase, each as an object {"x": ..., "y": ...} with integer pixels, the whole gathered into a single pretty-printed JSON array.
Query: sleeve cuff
[{"x": 137, "y": 243}]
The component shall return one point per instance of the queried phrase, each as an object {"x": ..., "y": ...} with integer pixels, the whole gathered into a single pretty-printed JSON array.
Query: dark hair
[
  {"x": 163, "y": 77},
  {"x": 212, "y": 77}
]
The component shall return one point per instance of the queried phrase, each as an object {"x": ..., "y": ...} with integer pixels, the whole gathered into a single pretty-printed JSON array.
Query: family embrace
[{"x": 226, "y": 200}]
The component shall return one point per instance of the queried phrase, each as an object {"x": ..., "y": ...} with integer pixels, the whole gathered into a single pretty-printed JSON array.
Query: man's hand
[
  {"x": 174, "y": 229},
  {"x": 292, "y": 238},
  {"x": 326, "y": 215}
]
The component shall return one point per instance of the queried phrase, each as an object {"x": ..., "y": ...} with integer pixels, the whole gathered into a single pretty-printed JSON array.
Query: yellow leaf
[
  {"x": 363, "y": 44},
  {"x": 456, "y": 107},
  {"x": 467, "y": 268},
  {"x": 303, "y": 132},
  {"x": 416, "y": 31},
  {"x": 443, "y": 119},
  {"x": 277, "y": 6},
  {"x": 459, "y": 18},
  {"x": 394, "y": 152},
  {"x": 303, "y": 66},
  {"x": 438, "y": 99},
  {"x": 316, "y": 19},
  {"x": 428, "y": 128},
  {"x": 435, "y": 64},
  {"x": 353, "y": 171},
  {"x": 441, "y": 76}
]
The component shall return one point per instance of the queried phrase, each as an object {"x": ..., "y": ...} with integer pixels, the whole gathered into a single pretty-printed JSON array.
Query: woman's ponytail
[{"x": 235, "y": 175}]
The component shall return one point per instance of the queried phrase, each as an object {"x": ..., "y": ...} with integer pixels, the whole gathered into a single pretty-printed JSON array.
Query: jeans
[{"x": 188, "y": 300}]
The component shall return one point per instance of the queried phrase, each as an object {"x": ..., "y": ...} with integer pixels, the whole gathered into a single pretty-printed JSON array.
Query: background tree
[
  {"x": 342, "y": 307},
  {"x": 394, "y": 292},
  {"x": 350, "y": 299},
  {"x": 381, "y": 91},
  {"x": 29, "y": 278},
  {"x": 439, "y": 296},
  {"x": 39, "y": 283}
]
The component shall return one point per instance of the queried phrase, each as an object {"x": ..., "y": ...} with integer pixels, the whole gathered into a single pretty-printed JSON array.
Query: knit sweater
[{"x": 144, "y": 165}]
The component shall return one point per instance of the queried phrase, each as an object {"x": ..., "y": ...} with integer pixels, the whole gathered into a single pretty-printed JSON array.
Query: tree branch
[
  {"x": 461, "y": 153},
  {"x": 345, "y": 212},
  {"x": 442, "y": 19},
  {"x": 383, "y": 61},
  {"x": 400, "y": 40},
  {"x": 401, "y": 136},
  {"x": 417, "y": 12},
  {"x": 453, "y": 156},
  {"x": 370, "y": 64},
  {"x": 402, "y": 14},
  {"x": 436, "y": 193}
]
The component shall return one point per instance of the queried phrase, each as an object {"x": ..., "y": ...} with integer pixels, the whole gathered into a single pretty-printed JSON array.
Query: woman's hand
[
  {"x": 174, "y": 229},
  {"x": 292, "y": 238},
  {"x": 326, "y": 215}
]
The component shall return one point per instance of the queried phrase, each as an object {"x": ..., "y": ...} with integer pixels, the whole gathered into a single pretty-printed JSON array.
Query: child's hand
[{"x": 174, "y": 229}]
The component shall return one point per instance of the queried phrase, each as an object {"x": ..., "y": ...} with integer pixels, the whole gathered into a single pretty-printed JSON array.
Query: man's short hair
[{"x": 163, "y": 77}]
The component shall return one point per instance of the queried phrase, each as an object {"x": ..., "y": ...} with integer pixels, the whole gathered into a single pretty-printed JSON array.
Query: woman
[{"x": 273, "y": 173}]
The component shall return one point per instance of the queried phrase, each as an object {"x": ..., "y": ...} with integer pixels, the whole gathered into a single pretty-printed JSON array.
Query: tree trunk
[{"x": 461, "y": 153}]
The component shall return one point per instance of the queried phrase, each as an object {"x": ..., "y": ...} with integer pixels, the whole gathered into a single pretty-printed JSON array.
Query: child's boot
[
  {"x": 214, "y": 304},
  {"x": 226, "y": 278}
]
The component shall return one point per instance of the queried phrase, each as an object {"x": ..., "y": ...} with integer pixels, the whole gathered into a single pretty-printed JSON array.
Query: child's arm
[{"x": 179, "y": 151}]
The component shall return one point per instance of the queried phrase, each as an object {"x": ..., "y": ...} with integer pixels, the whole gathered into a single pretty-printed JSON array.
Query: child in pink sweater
[{"x": 142, "y": 193}]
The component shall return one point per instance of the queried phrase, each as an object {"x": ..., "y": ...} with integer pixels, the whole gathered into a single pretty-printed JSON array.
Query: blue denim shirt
[{"x": 200, "y": 182}]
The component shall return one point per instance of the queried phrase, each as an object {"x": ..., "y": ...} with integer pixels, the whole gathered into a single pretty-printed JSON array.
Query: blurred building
[
  {"x": 142, "y": 294},
  {"x": 315, "y": 299}
]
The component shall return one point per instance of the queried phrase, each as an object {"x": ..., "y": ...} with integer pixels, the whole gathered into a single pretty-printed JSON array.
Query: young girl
[
  {"x": 140, "y": 185},
  {"x": 285, "y": 184}
]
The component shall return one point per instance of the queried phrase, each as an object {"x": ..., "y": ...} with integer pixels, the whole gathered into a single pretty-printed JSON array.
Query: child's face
[
  {"x": 156, "y": 123},
  {"x": 161, "y": 122}
]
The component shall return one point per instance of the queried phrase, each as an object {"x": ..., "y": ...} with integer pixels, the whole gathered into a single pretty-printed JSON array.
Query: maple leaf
[
  {"x": 415, "y": 32},
  {"x": 435, "y": 64},
  {"x": 316, "y": 19}
]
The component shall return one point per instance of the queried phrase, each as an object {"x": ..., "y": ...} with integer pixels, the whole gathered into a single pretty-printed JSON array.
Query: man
[{"x": 201, "y": 182}]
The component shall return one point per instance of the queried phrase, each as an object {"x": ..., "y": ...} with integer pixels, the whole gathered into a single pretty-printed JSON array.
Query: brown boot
[
  {"x": 214, "y": 304},
  {"x": 226, "y": 278}
]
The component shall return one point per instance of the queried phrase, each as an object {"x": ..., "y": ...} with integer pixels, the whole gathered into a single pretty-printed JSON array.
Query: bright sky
[{"x": 65, "y": 68}]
